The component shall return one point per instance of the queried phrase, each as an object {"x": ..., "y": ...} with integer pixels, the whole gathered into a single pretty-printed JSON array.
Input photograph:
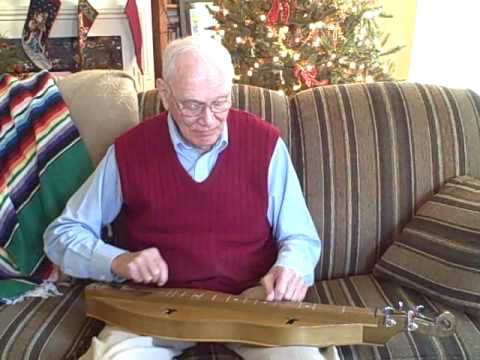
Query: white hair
[{"x": 209, "y": 50}]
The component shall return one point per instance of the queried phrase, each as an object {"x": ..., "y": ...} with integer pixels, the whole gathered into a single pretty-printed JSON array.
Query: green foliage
[
  {"x": 8, "y": 57},
  {"x": 322, "y": 42}
]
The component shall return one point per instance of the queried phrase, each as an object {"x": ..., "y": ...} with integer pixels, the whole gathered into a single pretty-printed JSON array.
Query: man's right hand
[{"x": 146, "y": 266}]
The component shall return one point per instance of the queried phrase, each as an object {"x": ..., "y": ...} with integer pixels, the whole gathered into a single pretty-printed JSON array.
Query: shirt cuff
[{"x": 101, "y": 262}]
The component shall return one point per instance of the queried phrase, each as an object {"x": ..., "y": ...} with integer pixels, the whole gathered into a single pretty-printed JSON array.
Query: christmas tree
[{"x": 290, "y": 45}]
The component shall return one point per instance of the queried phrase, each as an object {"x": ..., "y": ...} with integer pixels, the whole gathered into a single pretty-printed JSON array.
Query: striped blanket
[{"x": 42, "y": 162}]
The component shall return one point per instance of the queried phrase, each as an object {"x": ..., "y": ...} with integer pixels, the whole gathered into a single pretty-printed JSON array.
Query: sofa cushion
[
  {"x": 368, "y": 291},
  {"x": 56, "y": 328},
  {"x": 103, "y": 105},
  {"x": 368, "y": 154},
  {"x": 365, "y": 155},
  {"x": 46, "y": 329},
  {"x": 438, "y": 251}
]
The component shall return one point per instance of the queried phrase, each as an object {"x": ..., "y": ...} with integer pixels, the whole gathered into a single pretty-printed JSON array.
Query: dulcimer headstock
[{"x": 395, "y": 320}]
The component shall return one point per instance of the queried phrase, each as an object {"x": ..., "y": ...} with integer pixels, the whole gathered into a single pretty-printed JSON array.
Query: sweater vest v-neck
[{"x": 213, "y": 235}]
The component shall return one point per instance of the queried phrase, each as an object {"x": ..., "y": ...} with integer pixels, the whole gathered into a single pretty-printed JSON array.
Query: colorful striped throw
[{"x": 42, "y": 162}]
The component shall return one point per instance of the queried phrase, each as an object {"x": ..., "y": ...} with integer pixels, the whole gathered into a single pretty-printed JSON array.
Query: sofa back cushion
[{"x": 368, "y": 155}]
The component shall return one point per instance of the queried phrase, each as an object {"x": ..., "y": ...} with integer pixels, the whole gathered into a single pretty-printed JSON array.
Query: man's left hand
[{"x": 282, "y": 283}]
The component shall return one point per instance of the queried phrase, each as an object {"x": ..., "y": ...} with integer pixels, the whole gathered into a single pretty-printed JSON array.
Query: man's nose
[{"x": 208, "y": 117}]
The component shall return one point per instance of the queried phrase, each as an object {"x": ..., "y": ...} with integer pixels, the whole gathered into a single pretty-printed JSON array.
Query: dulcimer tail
[{"x": 202, "y": 315}]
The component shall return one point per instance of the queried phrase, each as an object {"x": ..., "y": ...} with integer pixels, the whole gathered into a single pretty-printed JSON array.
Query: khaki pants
[{"x": 115, "y": 343}]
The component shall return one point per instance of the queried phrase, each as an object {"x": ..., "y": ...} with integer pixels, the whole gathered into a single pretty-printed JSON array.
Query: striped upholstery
[
  {"x": 438, "y": 252},
  {"x": 367, "y": 156},
  {"x": 366, "y": 291},
  {"x": 47, "y": 329}
]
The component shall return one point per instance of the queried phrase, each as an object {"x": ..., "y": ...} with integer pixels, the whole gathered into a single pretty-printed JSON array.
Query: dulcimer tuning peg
[{"x": 419, "y": 309}]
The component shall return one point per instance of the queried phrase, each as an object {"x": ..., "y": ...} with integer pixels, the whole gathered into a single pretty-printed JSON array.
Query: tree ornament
[
  {"x": 280, "y": 10},
  {"x": 308, "y": 76}
]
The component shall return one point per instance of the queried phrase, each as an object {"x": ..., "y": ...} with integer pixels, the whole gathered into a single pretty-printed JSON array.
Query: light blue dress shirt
[{"x": 73, "y": 240}]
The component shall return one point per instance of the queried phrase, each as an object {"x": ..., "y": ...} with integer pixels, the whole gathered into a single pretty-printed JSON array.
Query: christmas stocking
[
  {"x": 40, "y": 18},
  {"x": 134, "y": 20},
  {"x": 86, "y": 17}
]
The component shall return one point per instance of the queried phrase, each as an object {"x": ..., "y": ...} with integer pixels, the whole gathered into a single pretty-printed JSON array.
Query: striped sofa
[{"x": 367, "y": 155}]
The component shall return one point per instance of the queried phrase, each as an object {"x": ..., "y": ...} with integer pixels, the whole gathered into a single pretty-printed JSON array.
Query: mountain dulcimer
[{"x": 200, "y": 315}]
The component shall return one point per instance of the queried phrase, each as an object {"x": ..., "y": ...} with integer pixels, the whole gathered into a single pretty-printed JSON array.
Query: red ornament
[
  {"x": 280, "y": 10},
  {"x": 19, "y": 69},
  {"x": 308, "y": 77}
]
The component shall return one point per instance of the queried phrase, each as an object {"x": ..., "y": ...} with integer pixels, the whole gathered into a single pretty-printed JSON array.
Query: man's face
[{"x": 198, "y": 97}]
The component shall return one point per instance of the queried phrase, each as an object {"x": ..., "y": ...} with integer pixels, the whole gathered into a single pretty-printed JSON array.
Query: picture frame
[{"x": 194, "y": 16}]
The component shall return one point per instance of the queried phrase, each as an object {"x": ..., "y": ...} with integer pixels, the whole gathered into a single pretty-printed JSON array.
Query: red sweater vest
[{"x": 213, "y": 235}]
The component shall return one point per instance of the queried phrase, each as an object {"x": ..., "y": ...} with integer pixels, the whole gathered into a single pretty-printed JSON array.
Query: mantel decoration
[
  {"x": 291, "y": 45},
  {"x": 40, "y": 18},
  {"x": 36, "y": 32},
  {"x": 86, "y": 16},
  {"x": 131, "y": 11},
  {"x": 9, "y": 60}
]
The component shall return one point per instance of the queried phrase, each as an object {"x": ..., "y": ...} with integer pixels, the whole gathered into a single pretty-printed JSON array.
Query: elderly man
[{"x": 211, "y": 201}]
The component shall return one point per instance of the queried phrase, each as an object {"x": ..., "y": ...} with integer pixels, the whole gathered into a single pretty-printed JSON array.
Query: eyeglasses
[{"x": 193, "y": 108}]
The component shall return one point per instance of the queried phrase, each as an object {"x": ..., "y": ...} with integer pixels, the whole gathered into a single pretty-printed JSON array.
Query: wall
[
  {"x": 401, "y": 29},
  {"x": 445, "y": 49},
  {"x": 111, "y": 20}
]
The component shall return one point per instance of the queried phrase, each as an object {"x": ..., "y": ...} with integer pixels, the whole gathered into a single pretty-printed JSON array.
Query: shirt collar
[{"x": 180, "y": 143}]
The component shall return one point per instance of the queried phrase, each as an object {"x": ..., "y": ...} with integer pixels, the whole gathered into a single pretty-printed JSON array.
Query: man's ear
[{"x": 163, "y": 91}]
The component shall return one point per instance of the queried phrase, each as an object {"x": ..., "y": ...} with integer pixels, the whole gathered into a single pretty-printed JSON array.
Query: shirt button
[{"x": 102, "y": 277}]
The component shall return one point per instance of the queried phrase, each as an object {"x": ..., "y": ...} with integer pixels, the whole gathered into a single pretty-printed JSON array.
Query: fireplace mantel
[{"x": 111, "y": 20}]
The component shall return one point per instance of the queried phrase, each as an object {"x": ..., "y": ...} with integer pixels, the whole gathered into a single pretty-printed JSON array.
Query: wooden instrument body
[{"x": 200, "y": 315}]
